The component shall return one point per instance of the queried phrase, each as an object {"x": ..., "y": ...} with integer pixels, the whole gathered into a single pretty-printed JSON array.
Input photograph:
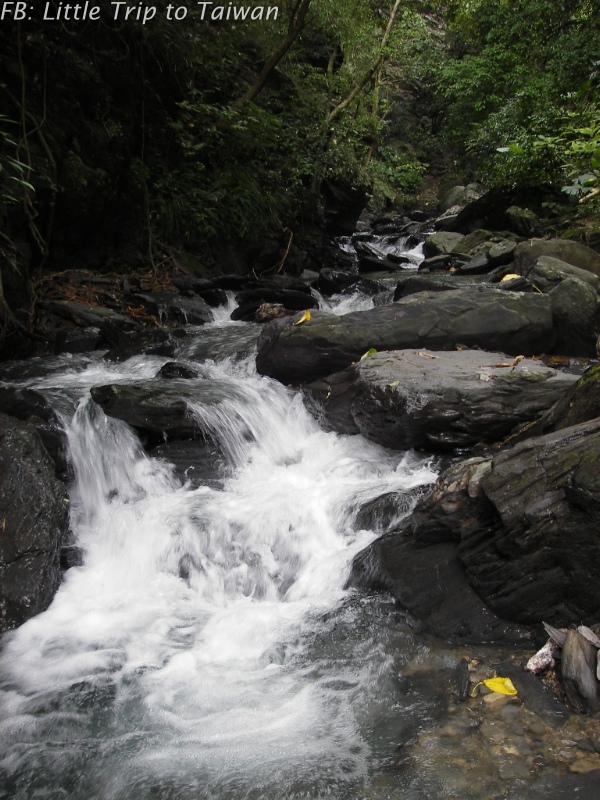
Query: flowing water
[{"x": 207, "y": 649}]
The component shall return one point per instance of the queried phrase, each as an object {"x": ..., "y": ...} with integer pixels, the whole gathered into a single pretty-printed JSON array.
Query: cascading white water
[{"x": 192, "y": 655}]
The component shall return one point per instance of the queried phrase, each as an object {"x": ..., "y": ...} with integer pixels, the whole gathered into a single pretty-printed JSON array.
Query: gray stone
[
  {"x": 441, "y": 243},
  {"x": 438, "y": 401},
  {"x": 518, "y": 324},
  {"x": 574, "y": 253}
]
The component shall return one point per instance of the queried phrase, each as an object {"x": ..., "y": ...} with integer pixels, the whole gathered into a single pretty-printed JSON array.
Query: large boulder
[
  {"x": 159, "y": 407},
  {"x": 575, "y": 296},
  {"x": 522, "y": 527},
  {"x": 495, "y": 209},
  {"x": 153, "y": 408},
  {"x": 33, "y": 514},
  {"x": 31, "y": 406},
  {"x": 175, "y": 307},
  {"x": 574, "y": 253},
  {"x": 580, "y": 404},
  {"x": 532, "y": 549},
  {"x": 518, "y": 324},
  {"x": 440, "y": 243},
  {"x": 444, "y": 401},
  {"x": 431, "y": 584}
]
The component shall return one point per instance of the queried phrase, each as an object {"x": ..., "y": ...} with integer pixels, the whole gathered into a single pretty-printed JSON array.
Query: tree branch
[{"x": 370, "y": 72}]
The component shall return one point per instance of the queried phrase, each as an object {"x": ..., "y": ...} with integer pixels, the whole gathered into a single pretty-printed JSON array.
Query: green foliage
[
  {"x": 520, "y": 83},
  {"x": 13, "y": 172}
]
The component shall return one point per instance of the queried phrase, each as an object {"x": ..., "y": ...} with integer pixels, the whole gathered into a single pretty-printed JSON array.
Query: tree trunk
[{"x": 297, "y": 21}]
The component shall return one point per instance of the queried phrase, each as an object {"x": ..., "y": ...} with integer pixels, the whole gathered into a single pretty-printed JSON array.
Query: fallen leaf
[
  {"x": 304, "y": 318},
  {"x": 368, "y": 354},
  {"x": 510, "y": 277},
  {"x": 427, "y": 355},
  {"x": 501, "y": 685},
  {"x": 394, "y": 383}
]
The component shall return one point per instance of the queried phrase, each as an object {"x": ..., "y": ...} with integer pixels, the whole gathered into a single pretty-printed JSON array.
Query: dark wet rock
[
  {"x": 438, "y": 401},
  {"x": 147, "y": 408},
  {"x": 343, "y": 204},
  {"x": 384, "y": 513},
  {"x": 447, "y": 221},
  {"x": 175, "y": 307},
  {"x": 197, "y": 462},
  {"x": 502, "y": 253},
  {"x": 476, "y": 243},
  {"x": 480, "y": 317},
  {"x": 578, "y": 673},
  {"x": 202, "y": 287},
  {"x": 523, "y": 221},
  {"x": 371, "y": 258},
  {"x": 79, "y": 340},
  {"x": 523, "y": 527},
  {"x": 574, "y": 253},
  {"x": 479, "y": 265},
  {"x": 580, "y": 404},
  {"x": 291, "y": 299},
  {"x": 531, "y": 548},
  {"x": 86, "y": 316},
  {"x": 431, "y": 584},
  {"x": 441, "y": 243},
  {"x": 157, "y": 407},
  {"x": 491, "y": 210},
  {"x": 33, "y": 511},
  {"x": 334, "y": 281},
  {"x": 153, "y": 342},
  {"x": 419, "y": 216},
  {"x": 173, "y": 370},
  {"x": 31, "y": 406},
  {"x": 575, "y": 296}
]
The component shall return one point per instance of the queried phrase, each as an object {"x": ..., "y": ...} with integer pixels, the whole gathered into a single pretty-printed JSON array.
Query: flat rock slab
[
  {"x": 518, "y": 324},
  {"x": 438, "y": 401}
]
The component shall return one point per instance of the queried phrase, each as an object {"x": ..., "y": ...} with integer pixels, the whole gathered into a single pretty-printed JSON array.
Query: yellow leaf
[
  {"x": 394, "y": 383},
  {"x": 370, "y": 352},
  {"x": 304, "y": 318},
  {"x": 501, "y": 685},
  {"x": 510, "y": 277}
]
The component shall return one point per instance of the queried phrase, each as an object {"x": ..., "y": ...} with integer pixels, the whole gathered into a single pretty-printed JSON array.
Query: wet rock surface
[
  {"x": 431, "y": 584},
  {"x": 33, "y": 514},
  {"x": 482, "y": 317},
  {"x": 522, "y": 526},
  {"x": 437, "y": 401}
]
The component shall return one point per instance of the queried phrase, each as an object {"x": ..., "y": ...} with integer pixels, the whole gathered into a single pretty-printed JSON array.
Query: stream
[{"x": 206, "y": 649}]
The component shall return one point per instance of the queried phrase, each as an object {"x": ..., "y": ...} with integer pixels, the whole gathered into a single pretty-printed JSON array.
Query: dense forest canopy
[{"x": 120, "y": 140}]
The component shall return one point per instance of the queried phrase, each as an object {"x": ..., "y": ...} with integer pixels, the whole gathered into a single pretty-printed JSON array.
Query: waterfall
[{"x": 206, "y": 648}]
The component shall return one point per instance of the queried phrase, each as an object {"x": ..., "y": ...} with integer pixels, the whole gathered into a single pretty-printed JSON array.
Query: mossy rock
[{"x": 580, "y": 404}]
